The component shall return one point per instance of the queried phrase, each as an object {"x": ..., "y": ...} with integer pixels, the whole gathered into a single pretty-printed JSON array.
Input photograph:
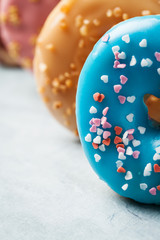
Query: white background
[{"x": 48, "y": 191}]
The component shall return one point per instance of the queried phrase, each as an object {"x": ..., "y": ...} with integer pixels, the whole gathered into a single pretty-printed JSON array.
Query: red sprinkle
[
  {"x": 117, "y": 140},
  {"x": 118, "y": 130},
  {"x": 121, "y": 170},
  {"x": 156, "y": 168},
  {"x": 158, "y": 187},
  {"x": 120, "y": 145},
  {"x": 106, "y": 141},
  {"x": 95, "y": 145},
  {"x": 98, "y": 97}
]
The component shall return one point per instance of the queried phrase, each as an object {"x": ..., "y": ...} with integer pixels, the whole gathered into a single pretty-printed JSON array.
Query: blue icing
[{"x": 141, "y": 81}]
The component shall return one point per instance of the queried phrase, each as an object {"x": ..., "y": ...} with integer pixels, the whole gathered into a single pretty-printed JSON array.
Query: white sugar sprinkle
[
  {"x": 97, "y": 157},
  {"x": 158, "y": 149},
  {"x": 128, "y": 176},
  {"x": 126, "y": 141},
  {"x": 122, "y": 55},
  {"x": 124, "y": 187},
  {"x": 130, "y": 117},
  {"x": 88, "y": 138},
  {"x": 104, "y": 78},
  {"x": 99, "y": 131},
  {"x": 97, "y": 140},
  {"x": 149, "y": 62},
  {"x": 131, "y": 99},
  {"x": 121, "y": 156},
  {"x": 136, "y": 143},
  {"x": 143, "y": 43},
  {"x": 102, "y": 148},
  {"x": 126, "y": 38},
  {"x": 129, "y": 151},
  {"x": 147, "y": 170},
  {"x": 93, "y": 110},
  {"x": 115, "y": 49},
  {"x": 156, "y": 157},
  {"x": 158, "y": 70},
  {"x": 133, "y": 61},
  {"x": 143, "y": 186},
  {"x": 144, "y": 63},
  {"x": 142, "y": 130}
]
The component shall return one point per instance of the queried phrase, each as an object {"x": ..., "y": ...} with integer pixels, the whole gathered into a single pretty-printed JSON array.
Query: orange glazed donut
[{"x": 67, "y": 38}]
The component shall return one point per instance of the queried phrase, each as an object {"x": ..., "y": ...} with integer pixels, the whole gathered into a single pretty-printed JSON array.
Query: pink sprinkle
[
  {"x": 121, "y": 65},
  {"x": 91, "y": 121},
  {"x": 120, "y": 149},
  {"x": 153, "y": 191},
  {"x": 130, "y": 131},
  {"x": 106, "y": 125},
  {"x": 97, "y": 122},
  {"x": 157, "y": 55},
  {"x": 117, "y": 88},
  {"x": 93, "y": 129},
  {"x": 105, "y": 110},
  {"x": 103, "y": 120},
  {"x": 116, "y": 63},
  {"x": 123, "y": 79},
  {"x": 136, "y": 154},
  {"x": 122, "y": 99},
  {"x": 130, "y": 137},
  {"x": 106, "y": 134},
  {"x": 116, "y": 55},
  {"x": 105, "y": 38}
]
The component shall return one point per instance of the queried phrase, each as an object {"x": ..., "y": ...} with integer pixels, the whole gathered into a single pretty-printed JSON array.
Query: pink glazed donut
[{"x": 21, "y": 22}]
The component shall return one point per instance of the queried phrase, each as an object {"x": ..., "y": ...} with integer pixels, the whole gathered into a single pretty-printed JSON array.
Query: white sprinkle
[
  {"x": 125, "y": 135},
  {"x": 129, "y": 151},
  {"x": 99, "y": 131},
  {"x": 158, "y": 149},
  {"x": 125, "y": 141},
  {"x": 130, "y": 117},
  {"x": 115, "y": 49},
  {"x": 42, "y": 67},
  {"x": 147, "y": 170},
  {"x": 126, "y": 38},
  {"x": 158, "y": 70},
  {"x": 133, "y": 61},
  {"x": 97, "y": 157},
  {"x": 121, "y": 156},
  {"x": 131, "y": 99},
  {"x": 128, "y": 176},
  {"x": 144, "y": 63},
  {"x": 143, "y": 43},
  {"x": 104, "y": 78},
  {"x": 88, "y": 138},
  {"x": 124, "y": 187},
  {"x": 149, "y": 62},
  {"x": 143, "y": 186},
  {"x": 136, "y": 143},
  {"x": 97, "y": 140},
  {"x": 119, "y": 163},
  {"x": 93, "y": 110},
  {"x": 122, "y": 55},
  {"x": 142, "y": 130},
  {"x": 102, "y": 148},
  {"x": 156, "y": 157}
]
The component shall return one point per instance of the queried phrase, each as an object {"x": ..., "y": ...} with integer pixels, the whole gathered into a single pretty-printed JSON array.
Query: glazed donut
[
  {"x": 67, "y": 38},
  {"x": 21, "y": 23},
  {"x": 117, "y": 103}
]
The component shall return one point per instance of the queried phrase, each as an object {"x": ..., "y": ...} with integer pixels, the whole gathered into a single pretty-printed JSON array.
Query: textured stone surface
[{"x": 48, "y": 191}]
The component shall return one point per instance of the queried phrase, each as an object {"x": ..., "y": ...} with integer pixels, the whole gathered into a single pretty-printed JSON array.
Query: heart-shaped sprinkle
[
  {"x": 144, "y": 63},
  {"x": 97, "y": 157},
  {"x": 158, "y": 149},
  {"x": 136, "y": 154},
  {"x": 98, "y": 97},
  {"x": 130, "y": 137},
  {"x": 105, "y": 111},
  {"x": 93, "y": 110},
  {"x": 120, "y": 149},
  {"x": 131, "y": 99},
  {"x": 99, "y": 131},
  {"x": 116, "y": 63},
  {"x": 124, "y": 187},
  {"x": 93, "y": 129},
  {"x": 104, "y": 78},
  {"x": 147, "y": 170},
  {"x": 97, "y": 122},
  {"x": 115, "y": 49},
  {"x": 122, "y": 55},
  {"x": 143, "y": 186},
  {"x": 120, "y": 146},
  {"x": 142, "y": 130},
  {"x": 156, "y": 157},
  {"x": 121, "y": 170},
  {"x": 88, "y": 138},
  {"x": 121, "y": 156},
  {"x": 106, "y": 134},
  {"x": 136, "y": 143},
  {"x": 122, "y": 99},
  {"x": 106, "y": 141},
  {"x": 133, "y": 61},
  {"x": 106, "y": 125},
  {"x": 130, "y": 117},
  {"x": 143, "y": 43},
  {"x": 158, "y": 187},
  {"x": 95, "y": 146},
  {"x": 153, "y": 191},
  {"x": 129, "y": 151},
  {"x": 116, "y": 55},
  {"x": 117, "y": 88},
  {"x": 157, "y": 55},
  {"x": 128, "y": 176},
  {"x": 97, "y": 140},
  {"x": 156, "y": 168},
  {"x": 126, "y": 38},
  {"x": 118, "y": 130},
  {"x": 102, "y": 148},
  {"x": 117, "y": 140},
  {"x": 149, "y": 62},
  {"x": 119, "y": 163},
  {"x": 130, "y": 131},
  {"x": 123, "y": 79}
]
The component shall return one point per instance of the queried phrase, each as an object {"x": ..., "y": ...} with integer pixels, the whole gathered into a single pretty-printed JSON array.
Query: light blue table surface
[{"x": 48, "y": 191}]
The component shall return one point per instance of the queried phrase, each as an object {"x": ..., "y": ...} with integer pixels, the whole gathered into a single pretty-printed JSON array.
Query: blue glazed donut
[{"x": 118, "y": 109}]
